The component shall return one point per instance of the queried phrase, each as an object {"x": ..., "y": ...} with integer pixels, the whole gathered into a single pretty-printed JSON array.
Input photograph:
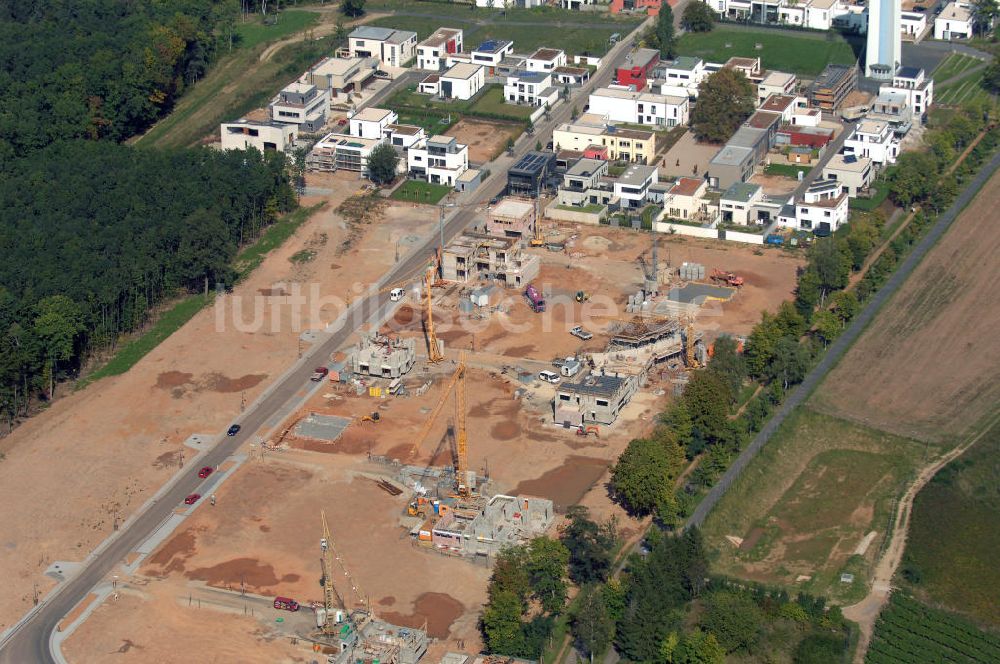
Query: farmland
[
  {"x": 953, "y": 535},
  {"x": 908, "y": 631},
  {"x": 804, "y": 506},
  {"x": 927, "y": 369}
]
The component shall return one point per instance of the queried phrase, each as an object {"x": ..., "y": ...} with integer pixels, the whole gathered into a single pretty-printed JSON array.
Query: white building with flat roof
[
  {"x": 438, "y": 160},
  {"x": 463, "y": 81},
  {"x": 680, "y": 77},
  {"x": 533, "y": 88},
  {"x": 392, "y": 47},
  {"x": 854, "y": 174},
  {"x": 632, "y": 186},
  {"x": 433, "y": 52},
  {"x": 916, "y": 85},
  {"x": 341, "y": 76},
  {"x": 954, "y": 22},
  {"x": 336, "y": 152},
  {"x": 263, "y": 136},
  {"x": 776, "y": 83},
  {"x": 545, "y": 60},
  {"x": 643, "y": 108},
  {"x": 822, "y": 209},
  {"x": 372, "y": 122},
  {"x": 301, "y": 104},
  {"x": 874, "y": 139}
]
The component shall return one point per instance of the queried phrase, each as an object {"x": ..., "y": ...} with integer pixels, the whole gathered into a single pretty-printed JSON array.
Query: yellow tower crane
[
  {"x": 331, "y": 598},
  {"x": 434, "y": 354},
  {"x": 456, "y": 382}
]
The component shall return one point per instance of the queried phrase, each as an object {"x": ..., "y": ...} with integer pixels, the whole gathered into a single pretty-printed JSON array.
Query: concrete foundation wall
[{"x": 593, "y": 218}]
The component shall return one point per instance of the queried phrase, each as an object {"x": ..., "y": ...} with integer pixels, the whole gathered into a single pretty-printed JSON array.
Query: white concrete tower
[{"x": 885, "y": 43}]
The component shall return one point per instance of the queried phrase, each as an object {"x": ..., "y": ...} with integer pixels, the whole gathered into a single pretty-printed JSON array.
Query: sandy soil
[
  {"x": 106, "y": 449},
  {"x": 484, "y": 138},
  {"x": 928, "y": 369},
  {"x": 777, "y": 185}
]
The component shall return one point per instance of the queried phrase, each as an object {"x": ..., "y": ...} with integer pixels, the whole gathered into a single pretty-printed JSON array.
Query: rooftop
[
  {"x": 836, "y": 201},
  {"x": 685, "y": 63},
  {"x": 636, "y": 175},
  {"x": 909, "y": 72},
  {"x": 872, "y": 126},
  {"x": 731, "y": 155},
  {"x": 850, "y": 162},
  {"x": 686, "y": 186},
  {"x": 532, "y": 162},
  {"x": 763, "y": 120},
  {"x": 777, "y": 103},
  {"x": 743, "y": 63},
  {"x": 778, "y": 79},
  {"x": 405, "y": 129},
  {"x": 546, "y": 54},
  {"x": 442, "y": 139},
  {"x": 822, "y": 4},
  {"x": 747, "y": 137},
  {"x": 336, "y": 66},
  {"x": 952, "y": 12},
  {"x": 372, "y": 114},
  {"x": 833, "y": 76},
  {"x": 462, "y": 70},
  {"x": 299, "y": 88},
  {"x": 572, "y": 71},
  {"x": 494, "y": 46},
  {"x": 532, "y": 76},
  {"x": 642, "y": 96},
  {"x": 513, "y": 208},
  {"x": 382, "y": 34},
  {"x": 742, "y": 192},
  {"x": 641, "y": 58},
  {"x": 441, "y": 37},
  {"x": 586, "y": 167},
  {"x": 594, "y": 385}
]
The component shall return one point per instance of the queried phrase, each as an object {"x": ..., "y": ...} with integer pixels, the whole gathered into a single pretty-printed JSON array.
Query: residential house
[
  {"x": 491, "y": 53},
  {"x": 511, "y": 217},
  {"x": 804, "y": 136},
  {"x": 737, "y": 202},
  {"x": 592, "y": 399},
  {"x": 371, "y": 122},
  {"x": 913, "y": 24},
  {"x": 854, "y": 174},
  {"x": 776, "y": 83},
  {"x": 529, "y": 174},
  {"x": 822, "y": 209},
  {"x": 533, "y": 88},
  {"x": 263, "y": 136},
  {"x": 392, "y": 47},
  {"x": 575, "y": 4},
  {"x": 730, "y": 165},
  {"x": 782, "y": 105},
  {"x": 594, "y": 134},
  {"x": 640, "y": 107},
  {"x": 336, "y": 152},
  {"x": 875, "y": 139},
  {"x": 475, "y": 257},
  {"x": 638, "y": 68},
  {"x": 342, "y": 76},
  {"x": 832, "y": 86},
  {"x": 812, "y": 14},
  {"x": 404, "y": 136},
  {"x": 680, "y": 77},
  {"x": 686, "y": 199},
  {"x": 433, "y": 52},
  {"x": 650, "y": 7},
  {"x": 749, "y": 67},
  {"x": 437, "y": 160},
  {"x": 892, "y": 106},
  {"x": 463, "y": 81},
  {"x": 916, "y": 85},
  {"x": 545, "y": 60},
  {"x": 632, "y": 186},
  {"x": 954, "y": 22},
  {"x": 582, "y": 184},
  {"x": 301, "y": 104},
  {"x": 571, "y": 75}
]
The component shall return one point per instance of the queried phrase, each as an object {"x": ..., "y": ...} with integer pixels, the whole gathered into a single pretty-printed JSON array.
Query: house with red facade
[
  {"x": 638, "y": 68},
  {"x": 652, "y": 7}
]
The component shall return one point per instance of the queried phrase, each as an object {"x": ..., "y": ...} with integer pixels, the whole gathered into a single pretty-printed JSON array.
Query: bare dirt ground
[
  {"x": 777, "y": 185},
  {"x": 106, "y": 449},
  {"x": 484, "y": 138},
  {"x": 693, "y": 157},
  {"x": 928, "y": 368}
]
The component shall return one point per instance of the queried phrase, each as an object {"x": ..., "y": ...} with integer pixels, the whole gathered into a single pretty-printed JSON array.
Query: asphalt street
[{"x": 29, "y": 642}]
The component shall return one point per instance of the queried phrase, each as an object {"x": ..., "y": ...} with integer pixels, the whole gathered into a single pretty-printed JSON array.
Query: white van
[
  {"x": 548, "y": 376},
  {"x": 396, "y": 294}
]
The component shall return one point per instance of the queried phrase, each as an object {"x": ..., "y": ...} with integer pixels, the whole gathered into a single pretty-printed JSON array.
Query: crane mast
[{"x": 461, "y": 435}]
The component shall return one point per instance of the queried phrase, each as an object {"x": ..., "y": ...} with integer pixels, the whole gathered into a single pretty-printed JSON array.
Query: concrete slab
[
  {"x": 694, "y": 293},
  {"x": 200, "y": 441},
  {"x": 322, "y": 427}
]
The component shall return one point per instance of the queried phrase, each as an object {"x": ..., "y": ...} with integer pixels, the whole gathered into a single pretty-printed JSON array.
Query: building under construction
[
  {"x": 384, "y": 356},
  {"x": 512, "y": 217},
  {"x": 365, "y": 639},
  {"x": 481, "y": 527},
  {"x": 474, "y": 257},
  {"x": 639, "y": 344}
]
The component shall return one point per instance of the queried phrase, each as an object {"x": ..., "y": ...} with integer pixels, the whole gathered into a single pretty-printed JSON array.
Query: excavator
[{"x": 728, "y": 278}]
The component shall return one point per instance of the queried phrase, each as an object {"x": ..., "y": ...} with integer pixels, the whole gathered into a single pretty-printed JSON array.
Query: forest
[{"x": 94, "y": 235}]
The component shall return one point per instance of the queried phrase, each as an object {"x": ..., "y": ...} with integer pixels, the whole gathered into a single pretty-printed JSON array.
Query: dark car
[
  {"x": 205, "y": 472},
  {"x": 233, "y": 430},
  {"x": 192, "y": 499}
]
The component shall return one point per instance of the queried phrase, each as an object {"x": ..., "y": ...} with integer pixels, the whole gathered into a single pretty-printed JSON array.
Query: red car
[
  {"x": 286, "y": 604},
  {"x": 205, "y": 472},
  {"x": 192, "y": 499},
  {"x": 341, "y": 122}
]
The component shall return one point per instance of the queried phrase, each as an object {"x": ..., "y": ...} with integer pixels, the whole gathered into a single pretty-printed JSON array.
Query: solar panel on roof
[{"x": 850, "y": 159}]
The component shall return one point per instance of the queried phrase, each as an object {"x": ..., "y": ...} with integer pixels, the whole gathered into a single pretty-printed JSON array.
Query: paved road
[
  {"x": 840, "y": 346},
  {"x": 30, "y": 640}
]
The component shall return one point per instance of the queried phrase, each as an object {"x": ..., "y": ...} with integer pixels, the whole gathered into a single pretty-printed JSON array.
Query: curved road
[{"x": 29, "y": 640}]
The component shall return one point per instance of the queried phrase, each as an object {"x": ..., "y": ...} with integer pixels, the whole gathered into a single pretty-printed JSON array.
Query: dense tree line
[
  {"x": 95, "y": 234},
  {"x": 99, "y": 69}
]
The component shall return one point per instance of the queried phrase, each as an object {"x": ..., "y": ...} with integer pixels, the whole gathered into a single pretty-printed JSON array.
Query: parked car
[
  {"x": 233, "y": 430},
  {"x": 205, "y": 472},
  {"x": 341, "y": 122},
  {"x": 396, "y": 294},
  {"x": 382, "y": 74},
  {"x": 549, "y": 376},
  {"x": 319, "y": 373},
  {"x": 192, "y": 499},
  {"x": 581, "y": 333}
]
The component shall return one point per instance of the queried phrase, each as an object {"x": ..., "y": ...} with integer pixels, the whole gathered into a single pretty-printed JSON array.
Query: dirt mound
[
  {"x": 240, "y": 570},
  {"x": 505, "y": 430},
  {"x": 405, "y": 315},
  {"x": 437, "y": 609},
  {"x": 217, "y": 382},
  {"x": 171, "y": 379},
  {"x": 567, "y": 484}
]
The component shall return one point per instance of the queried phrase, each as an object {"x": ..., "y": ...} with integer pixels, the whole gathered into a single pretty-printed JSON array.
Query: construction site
[{"x": 467, "y": 422}]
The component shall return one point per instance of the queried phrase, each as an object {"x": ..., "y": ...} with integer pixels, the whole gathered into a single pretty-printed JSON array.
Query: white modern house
[
  {"x": 433, "y": 52},
  {"x": 912, "y": 24},
  {"x": 545, "y": 60},
  {"x": 643, "y": 108},
  {"x": 776, "y": 83},
  {"x": 463, "y": 81},
  {"x": 371, "y": 122},
  {"x": 681, "y": 77},
  {"x": 874, "y": 139},
  {"x": 737, "y": 202},
  {"x": 854, "y": 174},
  {"x": 301, "y": 104},
  {"x": 533, "y": 88},
  {"x": 392, "y": 47},
  {"x": 341, "y": 76},
  {"x": 403, "y": 136},
  {"x": 438, "y": 160},
  {"x": 916, "y": 85},
  {"x": 822, "y": 209},
  {"x": 685, "y": 199},
  {"x": 491, "y": 53},
  {"x": 263, "y": 136},
  {"x": 632, "y": 187},
  {"x": 335, "y": 152},
  {"x": 954, "y": 22}
]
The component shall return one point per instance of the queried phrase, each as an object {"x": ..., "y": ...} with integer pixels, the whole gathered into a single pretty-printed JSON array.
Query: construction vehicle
[
  {"x": 319, "y": 373},
  {"x": 728, "y": 278},
  {"x": 434, "y": 354},
  {"x": 286, "y": 604},
  {"x": 375, "y": 417},
  {"x": 535, "y": 299},
  {"x": 587, "y": 430},
  {"x": 582, "y": 296}
]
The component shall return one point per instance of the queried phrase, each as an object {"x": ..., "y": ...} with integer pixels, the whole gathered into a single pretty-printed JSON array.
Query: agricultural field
[
  {"x": 953, "y": 540},
  {"x": 807, "y": 54},
  {"x": 908, "y": 631},
  {"x": 927, "y": 368},
  {"x": 815, "y": 503}
]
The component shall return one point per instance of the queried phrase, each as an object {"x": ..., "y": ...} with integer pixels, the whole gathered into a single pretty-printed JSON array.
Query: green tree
[
  {"x": 734, "y": 619},
  {"x": 725, "y": 100},
  {"x": 808, "y": 292},
  {"x": 833, "y": 266},
  {"x": 664, "y": 36},
  {"x": 677, "y": 419},
  {"x": 615, "y": 595},
  {"x": 590, "y": 545},
  {"x": 728, "y": 364},
  {"x": 984, "y": 15},
  {"x": 698, "y": 647},
  {"x": 510, "y": 574},
  {"x": 641, "y": 478},
  {"x": 827, "y": 325},
  {"x": 206, "y": 252},
  {"x": 846, "y": 306},
  {"x": 819, "y": 649},
  {"x": 501, "y": 624},
  {"x": 593, "y": 627},
  {"x": 913, "y": 178},
  {"x": 352, "y": 8},
  {"x": 546, "y": 567},
  {"x": 790, "y": 362},
  {"x": 707, "y": 399},
  {"x": 698, "y": 17},
  {"x": 861, "y": 237},
  {"x": 382, "y": 164},
  {"x": 58, "y": 325}
]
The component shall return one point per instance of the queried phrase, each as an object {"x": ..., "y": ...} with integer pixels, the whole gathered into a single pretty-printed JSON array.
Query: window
[{"x": 602, "y": 402}]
